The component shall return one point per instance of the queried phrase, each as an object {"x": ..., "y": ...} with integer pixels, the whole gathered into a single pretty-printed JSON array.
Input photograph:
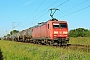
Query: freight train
[{"x": 52, "y": 32}]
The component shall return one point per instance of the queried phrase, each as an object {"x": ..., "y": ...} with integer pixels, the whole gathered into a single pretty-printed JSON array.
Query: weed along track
[
  {"x": 85, "y": 48},
  {"x": 74, "y": 47},
  {"x": 78, "y": 46}
]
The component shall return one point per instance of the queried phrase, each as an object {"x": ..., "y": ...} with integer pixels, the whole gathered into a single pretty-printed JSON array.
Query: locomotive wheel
[
  {"x": 47, "y": 43},
  {"x": 59, "y": 44},
  {"x": 34, "y": 41},
  {"x": 43, "y": 42},
  {"x": 51, "y": 43},
  {"x": 64, "y": 43},
  {"x": 55, "y": 44},
  {"x": 39, "y": 42}
]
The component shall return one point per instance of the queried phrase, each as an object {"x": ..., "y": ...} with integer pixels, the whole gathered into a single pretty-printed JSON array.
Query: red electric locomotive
[{"x": 51, "y": 32}]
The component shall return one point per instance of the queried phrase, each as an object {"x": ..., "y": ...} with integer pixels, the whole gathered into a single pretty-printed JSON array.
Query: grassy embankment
[
  {"x": 25, "y": 51},
  {"x": 80, "y": 40}
]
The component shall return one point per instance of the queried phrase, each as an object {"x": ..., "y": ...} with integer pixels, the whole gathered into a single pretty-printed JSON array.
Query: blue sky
[{"x": 27, "y": 13}]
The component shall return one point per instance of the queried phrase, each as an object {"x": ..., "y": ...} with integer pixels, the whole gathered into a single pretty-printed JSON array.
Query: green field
[
  {"x": 11, "y": 50},
  {"x": 80, "y": 40}
]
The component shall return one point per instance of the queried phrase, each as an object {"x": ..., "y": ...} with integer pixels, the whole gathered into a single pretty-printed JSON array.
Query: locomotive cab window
[
  {"x": 59, "y": 25},
  {"x": 63, "y": 25},
  {"x": 55, "y": 25}
]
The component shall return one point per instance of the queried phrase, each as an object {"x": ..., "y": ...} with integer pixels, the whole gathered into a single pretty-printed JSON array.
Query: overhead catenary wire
[
  {"x": 48, "y": 11},
  {"x": 71, "y": 8},
  {"x": 74, "y": 6},
  {"x": 50, "y": 5},
  {"x": 45, "y": 10},
  {"x": 16, "y": 25},
  {"x": 62, "y": 3},
  {"x": 75, "y": 11},
  {"x": 38, "y": 7},
  {"x": 66, "y": 10}
]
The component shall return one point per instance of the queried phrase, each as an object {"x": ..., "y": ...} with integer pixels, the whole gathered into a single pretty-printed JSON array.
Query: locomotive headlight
[
  {"x": 55, "y": 32},
  {"x": 55, "y": 35},
  {"x": 65, "y": 32}
]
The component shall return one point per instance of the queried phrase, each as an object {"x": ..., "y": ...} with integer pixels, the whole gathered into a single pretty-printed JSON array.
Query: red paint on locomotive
[{"x": 51, "y": 29}]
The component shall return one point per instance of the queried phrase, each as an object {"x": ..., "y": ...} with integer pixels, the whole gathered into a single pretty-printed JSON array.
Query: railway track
[
  {"x": 78, "y": 46},
  {"x": 85, "y": 48},
  {"x": 72, "y": 46}
]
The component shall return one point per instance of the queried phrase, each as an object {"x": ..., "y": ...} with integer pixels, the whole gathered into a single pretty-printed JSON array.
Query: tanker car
[{"x": 52, "y": 32}]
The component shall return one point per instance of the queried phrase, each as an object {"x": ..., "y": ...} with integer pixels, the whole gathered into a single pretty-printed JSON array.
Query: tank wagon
[
  {"x": 25, "y": 35},
  {"x": 51, "y": 32},
  {"x": 21, "y": 35}
]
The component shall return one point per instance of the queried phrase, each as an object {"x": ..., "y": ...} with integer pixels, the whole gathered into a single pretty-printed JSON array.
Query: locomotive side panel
[
  {"x": 39, "y": 32},
  {"x": 49, "y": 30},
  {"x": 34, "y": 32},
  {"x": 43, "y": 32}
]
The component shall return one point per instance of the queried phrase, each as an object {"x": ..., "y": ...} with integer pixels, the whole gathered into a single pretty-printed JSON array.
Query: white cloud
[{"x": 27, "y": 3}]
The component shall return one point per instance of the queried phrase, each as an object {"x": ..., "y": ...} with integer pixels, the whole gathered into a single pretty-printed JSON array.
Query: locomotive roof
[
  {"x": 40, "y": 24},
  {"x": 53, "y": 20},
  {"x": 62, "y": 21}
]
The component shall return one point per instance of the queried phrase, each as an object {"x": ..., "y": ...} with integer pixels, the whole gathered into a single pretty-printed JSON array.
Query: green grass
[
  {"x": 26, "y": 51},
  {"x": 80, "y": 40}
]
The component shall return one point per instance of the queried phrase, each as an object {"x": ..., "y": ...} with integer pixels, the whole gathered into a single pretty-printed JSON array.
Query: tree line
[
  {"x": 79, "y": 32},
  {"x": 12, "y": 32}
]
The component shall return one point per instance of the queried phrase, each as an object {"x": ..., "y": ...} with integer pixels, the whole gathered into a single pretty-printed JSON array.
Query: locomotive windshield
[
  {"x": 61, "y": 25},
  {"x": 56, "y": 25}
]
